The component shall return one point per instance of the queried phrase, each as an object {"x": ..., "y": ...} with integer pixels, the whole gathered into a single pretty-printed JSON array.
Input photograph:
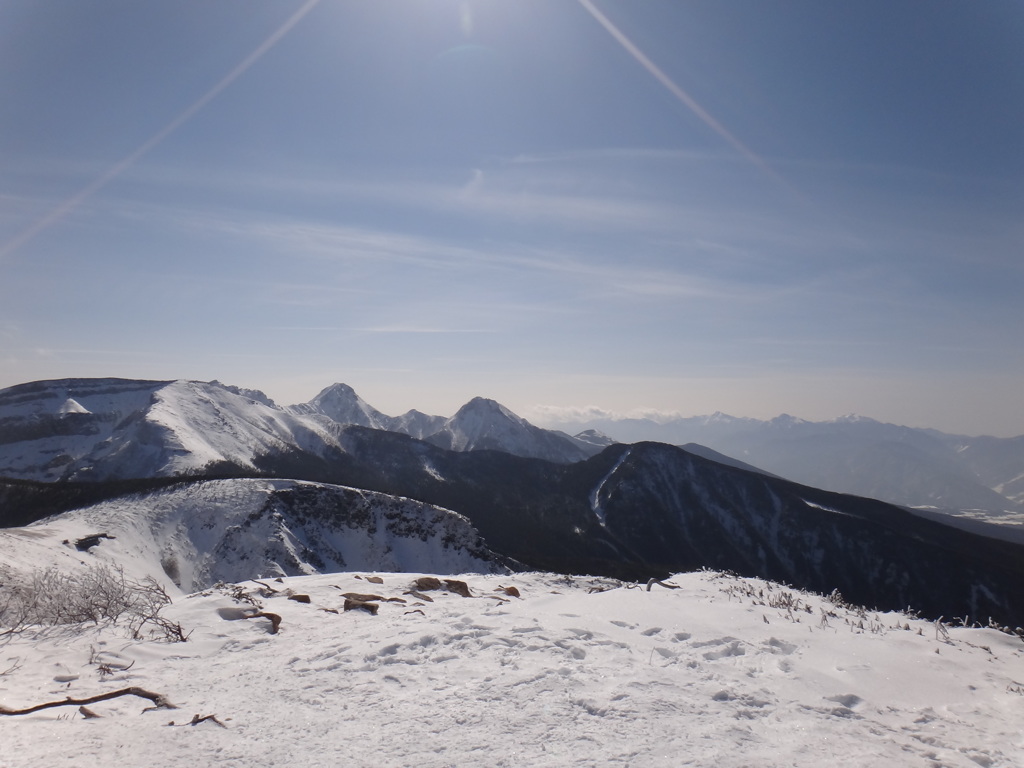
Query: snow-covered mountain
[
  {"x": 99, "y": 429},
  {"x": 340, "y": 404},
  {"x": 629, "y": 511},
  {"x": 208, "y": 531},
  {"x": 483, "y": 424},
  {"x": 595, "y": 437},
  {"x": 851, "y": 454},
  {"x": 83, "y": 429},
  {"x": 707, "y": 668}
]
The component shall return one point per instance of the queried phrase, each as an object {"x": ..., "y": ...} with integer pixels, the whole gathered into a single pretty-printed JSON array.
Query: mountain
[
  {"x": 721, "y": 458},
  {"x": 99, "y": 429},
  {"x": 102, "y": 429},
  {"x": 483, "y": 424},
  {"x": 595, "y": 437},
  {"x": 416, "y": 424},
  {"x": 997, "y": 462},
  {"x": 340, "y": 404},
  {"x": 208, "y": 531},
  {"x": 636, "y": 511},
  {"x": 852, "y": 454},
  {"x": 629, "y": 511}
]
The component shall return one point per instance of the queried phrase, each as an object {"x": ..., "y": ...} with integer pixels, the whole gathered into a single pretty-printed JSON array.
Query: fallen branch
[
  {"x": 652, "y": 582},
  {"x": 158, "y": 699},
  {"x": 197, "y": 719}
]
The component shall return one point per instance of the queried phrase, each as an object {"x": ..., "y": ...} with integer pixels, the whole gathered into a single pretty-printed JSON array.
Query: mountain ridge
[{"x": 851, "y": 454}]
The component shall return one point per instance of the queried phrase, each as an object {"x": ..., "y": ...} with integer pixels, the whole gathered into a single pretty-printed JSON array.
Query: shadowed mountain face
[{"x": 650, "y": 509}]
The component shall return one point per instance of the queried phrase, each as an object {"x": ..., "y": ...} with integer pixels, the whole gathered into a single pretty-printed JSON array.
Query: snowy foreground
[{"x": 719, "y": 672}]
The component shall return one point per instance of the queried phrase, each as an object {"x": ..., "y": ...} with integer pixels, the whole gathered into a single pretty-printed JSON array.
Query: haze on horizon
[{"x": 687, "y": 207}]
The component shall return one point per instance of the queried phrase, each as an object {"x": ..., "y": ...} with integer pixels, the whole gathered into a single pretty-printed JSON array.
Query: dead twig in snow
[
  {"x": 652, "y": 582},
  {"x": 158, "y": 699},
  {"x": 197, "y": 719}
]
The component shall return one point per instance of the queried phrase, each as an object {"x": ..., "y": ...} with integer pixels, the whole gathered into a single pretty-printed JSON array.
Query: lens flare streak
[
  {"x": 67, "y": 206},
  {"x": 680, "y": 94}
]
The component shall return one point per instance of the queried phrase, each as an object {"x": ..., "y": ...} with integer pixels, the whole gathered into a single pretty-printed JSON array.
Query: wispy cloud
[
  {"x": 71, "y": 203},
  {"x": 413, "y": 329},
  {"x": 569, "y": 414},
  {"x": 601, "y": 273},
  {"x": 395, "y": 329}
]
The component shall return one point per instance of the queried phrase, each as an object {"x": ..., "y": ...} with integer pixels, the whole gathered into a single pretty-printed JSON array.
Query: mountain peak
[
  {"x": 337, "y": 390},
  {"x": 485, "y": 424},
  {"x": 483, "y": 406},
  {"x": 340, "y": 403}
]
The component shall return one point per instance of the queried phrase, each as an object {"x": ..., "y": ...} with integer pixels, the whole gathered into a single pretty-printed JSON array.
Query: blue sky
[{"x": 749, "y": 206}]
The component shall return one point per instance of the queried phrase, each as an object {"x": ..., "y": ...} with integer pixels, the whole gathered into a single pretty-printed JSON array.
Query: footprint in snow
[
  {"x": 734, "y": 648},
  {"x": 779, "y": 646},
  {"x": 848, "y": 700}
]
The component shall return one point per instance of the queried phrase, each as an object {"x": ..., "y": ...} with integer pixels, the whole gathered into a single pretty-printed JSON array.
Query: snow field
[{"x": 721, "y": 672}]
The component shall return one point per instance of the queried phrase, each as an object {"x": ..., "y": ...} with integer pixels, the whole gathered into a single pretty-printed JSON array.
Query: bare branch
[{"x": 159, "y": 700}]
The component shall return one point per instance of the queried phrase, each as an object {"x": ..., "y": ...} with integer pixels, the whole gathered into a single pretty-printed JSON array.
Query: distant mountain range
[
  {"x": 539, "y": 497},
  {"x": 852, "y": 454}
]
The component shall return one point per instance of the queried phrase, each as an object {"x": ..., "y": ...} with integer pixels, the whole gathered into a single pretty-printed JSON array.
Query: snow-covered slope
[
  {"x": 108, "y": 428},
  {"x": 195, "y": 534},
  {"x": 341, "y": 404},
  {"x": 595, "y": 437},
  {"x": 718, "y": 673},
  {"x": 416, "y": 424},
  {"x": 483, "y": 424}
]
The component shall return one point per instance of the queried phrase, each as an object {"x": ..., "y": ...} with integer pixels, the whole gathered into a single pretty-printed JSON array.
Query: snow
[
  {"x": 71, "y": 406},
  {"x": 139, "y": 429},
  {"x": 709, "y": 674},
  {"x": 595, "y": 496},
  {"x": 195, "y": 534}
]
